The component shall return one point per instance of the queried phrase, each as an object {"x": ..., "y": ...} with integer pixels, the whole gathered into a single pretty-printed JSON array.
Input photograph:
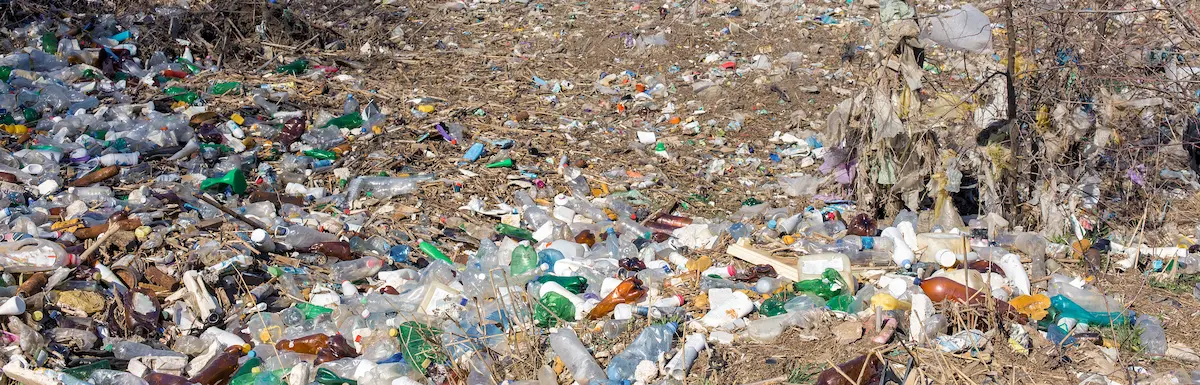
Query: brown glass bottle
[
  {"x": 862, "y": 225},
  {"x": 868, "y": 365},
  {"x": 586, "y": 237},
  {"x": 96, "y": 176},
  {"x": 627, "y": 291},
  {"x": 221, "y": 367},
  {"x": 339, "y": 249},
  {"x": 945, "y": 289}
]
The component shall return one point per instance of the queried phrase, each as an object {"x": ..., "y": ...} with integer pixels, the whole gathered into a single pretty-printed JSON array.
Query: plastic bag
[{"x": 963, "y": 29}]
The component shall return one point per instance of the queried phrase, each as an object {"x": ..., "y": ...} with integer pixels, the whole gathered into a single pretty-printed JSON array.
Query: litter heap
[{"x": 151, "y": 238}]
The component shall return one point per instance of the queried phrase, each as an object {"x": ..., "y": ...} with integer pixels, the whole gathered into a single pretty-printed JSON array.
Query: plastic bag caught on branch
[{"x": 963, "y": 29}]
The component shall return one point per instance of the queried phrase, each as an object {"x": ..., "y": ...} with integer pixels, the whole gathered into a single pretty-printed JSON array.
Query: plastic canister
[{"x": 931, "y": 243}]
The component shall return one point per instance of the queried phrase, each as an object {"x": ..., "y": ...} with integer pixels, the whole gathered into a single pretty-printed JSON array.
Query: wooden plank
[{"x": 758, "y": 257}]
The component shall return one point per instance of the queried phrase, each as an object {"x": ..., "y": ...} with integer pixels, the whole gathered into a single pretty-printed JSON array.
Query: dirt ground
[{"x": 477, "y": 67}]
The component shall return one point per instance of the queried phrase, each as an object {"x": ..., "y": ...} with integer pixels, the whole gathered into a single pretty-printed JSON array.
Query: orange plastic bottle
[
  {"x": 221, "y": 367},
  {"x": 942, "y": 289},
  {"x": 629, "y": 290},
  {"x": 867, "y": 365},
  {"x": 304, "y": 345}
]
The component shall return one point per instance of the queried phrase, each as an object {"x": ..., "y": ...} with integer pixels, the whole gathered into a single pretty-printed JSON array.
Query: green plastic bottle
[
  {"x": 50, "y": 43},
  {"x": 572, "y": 283},
  {"x": 1069, "y": 309},
  {"x": 5, "y": 73},
  {"x": 181, "y": 94},
  {"x": 311, "y": 311},
  {"x": 351, "y": 120},
  {"x": 417, "y": 344},
  {"x": 321, "y": 154},
  {"x": 515, "y": 232},
  {"x": 224, "y": 88},
  {"x": 297, "y": 67},
  {"x": 524, "y": 260},
  {"x": 774, "y": 306},
  {"x": 327, "y": 377},
  {"x": 191, "y": 67},
  {"x": 553, "y": 307},
  {"x": 433, "y": 252},
  {"x": 235, "y": 179},
  {"x": 830, "y": 285}
]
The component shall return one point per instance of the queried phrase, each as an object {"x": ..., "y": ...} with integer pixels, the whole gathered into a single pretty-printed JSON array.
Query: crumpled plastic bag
[{"x": 964, "y": 29}]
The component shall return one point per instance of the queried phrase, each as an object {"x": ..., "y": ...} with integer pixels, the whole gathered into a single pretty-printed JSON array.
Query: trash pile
[{"x": 166, "y": 222}]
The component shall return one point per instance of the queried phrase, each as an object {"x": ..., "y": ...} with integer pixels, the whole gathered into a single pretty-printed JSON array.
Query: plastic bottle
[
  {"x": 128, "y": 350},
  {"x": 678, "y": 367},
  {"x": 33, "y": 254},
  {"x": 220, "y": 367},
  {"x": 115, "y": 377},
  {"x": 382, "y": 187},
  {"x": 579, "y": 361},
  {"x": 524, "y": 260},
  {"x": 862, "y": 370},
  {"x": 902, "y": 255},
  {"x": 767, "y": 329},
  {"x": 1153, "y": 338},
  {"x": 940, "y": 289},
  {"x": 653, "y": 341},
  {"x": 628, "y": 291},
  {"x": 97, "y": 176},
  {"x": 1089, "y": 300},
  {"x": 1068, "y": 309},
  {"x": 300, "y": 237},
  {"x": 356, "y": 269}
]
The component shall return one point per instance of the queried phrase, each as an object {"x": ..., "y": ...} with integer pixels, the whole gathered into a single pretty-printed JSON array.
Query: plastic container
[
  {"x": 33, "y": 255},
  {"x": 654, "y": 340},
  {"x": 931, "y": 244},
  {"x": 579, "y": 361}
]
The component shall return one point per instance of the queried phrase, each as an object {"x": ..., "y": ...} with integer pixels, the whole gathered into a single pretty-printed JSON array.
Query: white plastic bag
[{"x": 963, "y": 29}]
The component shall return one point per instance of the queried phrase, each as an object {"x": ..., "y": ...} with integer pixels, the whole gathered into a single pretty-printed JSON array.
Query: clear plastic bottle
[
  {"x": 33, "y": 254},
  {"x": 579, "y": 361},
  {"x": 382, "y": 187},
  {"x": 128, "y": 350},
  {"x": 356, "y": 269},
  {"x": 300, "y": 237},
  {"x": 1088, "y": 299},
  {"x": 115, "y": 377},
  {"x": 651, "y": 343},
  {"x": 1153, "y": 338},
  {"x": 767, "y": 329}
]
